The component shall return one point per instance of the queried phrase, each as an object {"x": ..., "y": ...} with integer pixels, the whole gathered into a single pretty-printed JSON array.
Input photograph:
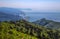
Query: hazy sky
[{"x": 35, "y": 5}]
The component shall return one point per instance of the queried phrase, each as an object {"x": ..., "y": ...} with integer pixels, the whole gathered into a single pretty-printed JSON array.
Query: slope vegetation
[{"x": 26, "y": 30}]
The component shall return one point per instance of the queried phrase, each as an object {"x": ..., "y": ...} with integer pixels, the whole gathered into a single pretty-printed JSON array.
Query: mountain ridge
[{"x": 48, "y": 23}]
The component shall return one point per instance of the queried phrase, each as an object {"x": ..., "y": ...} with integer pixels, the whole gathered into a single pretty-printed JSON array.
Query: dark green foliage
[{"x": 12, "y": 30}]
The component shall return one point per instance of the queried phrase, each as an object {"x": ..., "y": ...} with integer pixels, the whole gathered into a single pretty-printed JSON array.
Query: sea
[{"x": 33, "y": 16}]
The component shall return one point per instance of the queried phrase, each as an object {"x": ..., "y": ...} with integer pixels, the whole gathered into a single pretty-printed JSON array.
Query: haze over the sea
[
  {"x": 47, "y": 15},
  {"x": 50, "y": 8}
]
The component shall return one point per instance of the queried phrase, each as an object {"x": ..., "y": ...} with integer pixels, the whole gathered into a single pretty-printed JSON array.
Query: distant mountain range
[
  {"x": 7, "y": 14},
  {"x": 48, "y": 23}
]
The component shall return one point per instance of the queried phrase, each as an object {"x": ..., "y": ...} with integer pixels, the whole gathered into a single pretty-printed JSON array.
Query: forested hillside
[{"x": 25, "y": 30}]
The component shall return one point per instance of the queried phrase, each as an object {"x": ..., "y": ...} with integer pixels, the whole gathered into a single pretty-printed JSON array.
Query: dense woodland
[{"x": 26, "y": 30}]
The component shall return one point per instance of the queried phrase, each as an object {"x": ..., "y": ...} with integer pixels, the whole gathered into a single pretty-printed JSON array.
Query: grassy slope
[
  {"x": 26, "y": 30},
  {"x": 8, "y": 33}
]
